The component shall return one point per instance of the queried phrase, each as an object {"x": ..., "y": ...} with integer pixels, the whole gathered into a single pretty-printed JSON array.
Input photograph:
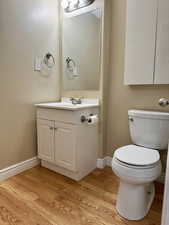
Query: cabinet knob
[
  {"x": 55, "y": 128},
  {"x": 131, "y": 119},
  {"x": 51, "y": 128}
]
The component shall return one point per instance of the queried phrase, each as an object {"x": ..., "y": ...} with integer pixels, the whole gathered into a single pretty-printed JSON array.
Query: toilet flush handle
[{"x": 163, "y": 102}]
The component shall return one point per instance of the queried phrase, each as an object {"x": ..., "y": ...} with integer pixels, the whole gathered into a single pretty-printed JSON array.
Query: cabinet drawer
[
  {"x": 64, "y": 116},
  {"x": 58, "y": 115}
]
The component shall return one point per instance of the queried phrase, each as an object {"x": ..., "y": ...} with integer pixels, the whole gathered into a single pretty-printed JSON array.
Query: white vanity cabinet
[
  {"x": 57, "y": 143},
  {"x": 65, "y": 144},
  {"x": 147, "y": 46}
]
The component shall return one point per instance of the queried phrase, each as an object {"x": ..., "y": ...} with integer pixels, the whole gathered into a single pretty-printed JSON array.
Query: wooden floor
[{"x": 42, "y": 197}]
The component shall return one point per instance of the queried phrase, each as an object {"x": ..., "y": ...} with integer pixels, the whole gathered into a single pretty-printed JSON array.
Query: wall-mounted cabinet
[
  {"x": 147, "y": 42},
  {"x": 162, "y": 49}
]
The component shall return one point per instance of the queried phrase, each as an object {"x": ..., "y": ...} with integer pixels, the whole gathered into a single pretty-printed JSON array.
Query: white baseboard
[
  {"x": 18, "y": 168},
  {"x": 101, "y": 163}
]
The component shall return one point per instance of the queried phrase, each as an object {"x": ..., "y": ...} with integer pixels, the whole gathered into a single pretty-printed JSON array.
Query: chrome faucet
[{"x": 76, "y": 101}]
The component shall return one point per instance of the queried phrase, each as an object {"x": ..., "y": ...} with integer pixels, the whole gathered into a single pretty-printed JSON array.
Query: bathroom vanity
[{"x": 68, "y": 137}]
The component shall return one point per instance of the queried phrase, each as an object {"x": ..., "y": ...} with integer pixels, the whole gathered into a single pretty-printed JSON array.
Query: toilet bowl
[
  {"x": 139, "y": 165},
  {"x": 136, "y": 190}
]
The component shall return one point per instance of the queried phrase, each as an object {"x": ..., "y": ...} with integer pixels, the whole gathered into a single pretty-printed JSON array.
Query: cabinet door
[
  {"x": 65, "y": 146},
  {"x": 45, "y": 129},
  {"x": 141, "y": 19},
  {"x": 162, "y": 53}
]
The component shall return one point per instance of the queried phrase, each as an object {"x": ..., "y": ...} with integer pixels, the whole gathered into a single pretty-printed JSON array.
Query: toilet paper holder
[{"x": 83, "y": 118}]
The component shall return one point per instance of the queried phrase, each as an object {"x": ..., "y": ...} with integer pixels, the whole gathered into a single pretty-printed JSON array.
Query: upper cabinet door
[
  {"x": 162, "y": 53},
  {"x": 140, "y": 41}
]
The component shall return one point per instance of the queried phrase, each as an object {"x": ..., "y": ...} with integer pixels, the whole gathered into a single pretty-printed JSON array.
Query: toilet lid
[{"x": 136, "y": 155}]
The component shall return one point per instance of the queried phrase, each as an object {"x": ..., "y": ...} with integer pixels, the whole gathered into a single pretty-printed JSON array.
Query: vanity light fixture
[
  {"x": 65, "y": 4},
  {"x": 72, "y": 5}
]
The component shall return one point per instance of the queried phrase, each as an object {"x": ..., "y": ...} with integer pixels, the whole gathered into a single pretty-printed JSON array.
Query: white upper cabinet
[
  {"x": 162, "y": 53},
  {"x": 147, "y": 42},
  {"x": 140, "y": 41}
]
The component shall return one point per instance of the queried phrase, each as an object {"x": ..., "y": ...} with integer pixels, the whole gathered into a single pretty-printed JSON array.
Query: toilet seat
[
  {"x": 137, "y": 156},
  {"x": 134, "y": 167},
  {"x": 136, "y": 174}
]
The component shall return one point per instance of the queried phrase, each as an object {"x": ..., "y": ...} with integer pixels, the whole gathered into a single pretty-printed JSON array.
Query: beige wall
[
  {"x": 27, "y": 29},
  {"x": 122, "y": 98}
]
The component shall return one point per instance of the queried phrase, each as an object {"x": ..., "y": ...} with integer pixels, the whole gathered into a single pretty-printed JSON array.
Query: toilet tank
[{"x": 149, "y": 128}]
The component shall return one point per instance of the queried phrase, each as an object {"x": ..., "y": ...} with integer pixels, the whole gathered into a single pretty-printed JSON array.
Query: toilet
[{"x": 138, "y": 165}]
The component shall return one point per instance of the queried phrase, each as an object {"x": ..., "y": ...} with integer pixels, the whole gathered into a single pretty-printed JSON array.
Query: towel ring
[
  {"x": 47, "y": 57},
  {"x": 68, "y": 62}
]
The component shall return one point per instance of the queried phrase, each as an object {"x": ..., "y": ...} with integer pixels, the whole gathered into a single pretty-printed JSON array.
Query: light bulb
[
  {"x": 83, "y": 1},
  {"x": 74, "y": 3},
  {"x": 64, "y": 4}
]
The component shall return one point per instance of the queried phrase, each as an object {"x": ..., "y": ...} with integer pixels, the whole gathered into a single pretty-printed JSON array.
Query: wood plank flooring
[{"x": 42, "y": 197}]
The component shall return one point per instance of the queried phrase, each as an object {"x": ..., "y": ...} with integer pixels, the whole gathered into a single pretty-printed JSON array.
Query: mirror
[{"x": 81, "y": 51}]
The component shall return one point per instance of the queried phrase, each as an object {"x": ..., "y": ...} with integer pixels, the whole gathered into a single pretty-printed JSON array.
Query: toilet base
[{"x": 134, "y": 201}]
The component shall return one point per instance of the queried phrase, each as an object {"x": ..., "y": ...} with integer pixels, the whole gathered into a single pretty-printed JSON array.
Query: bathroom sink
[{"x": 67, "y": 104}]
